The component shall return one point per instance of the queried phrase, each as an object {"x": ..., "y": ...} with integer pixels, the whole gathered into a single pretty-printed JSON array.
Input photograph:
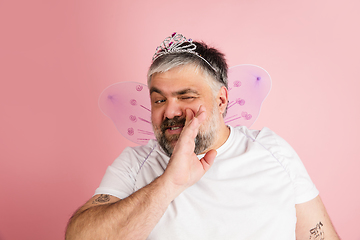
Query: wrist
[{"x": 171, "y": 189}]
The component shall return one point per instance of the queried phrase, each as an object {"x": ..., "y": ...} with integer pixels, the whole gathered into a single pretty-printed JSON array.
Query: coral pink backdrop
[{"x": 56, "y": 57}]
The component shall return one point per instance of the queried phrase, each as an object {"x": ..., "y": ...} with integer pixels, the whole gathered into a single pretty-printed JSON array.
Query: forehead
[{"x": 187, "y": 76}]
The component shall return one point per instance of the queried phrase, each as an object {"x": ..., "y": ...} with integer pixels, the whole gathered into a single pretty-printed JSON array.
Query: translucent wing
[
  {"x": 248, "y": 87},
  {"x": 128, "y": 103},
  {"x": 128, "y": 106}
]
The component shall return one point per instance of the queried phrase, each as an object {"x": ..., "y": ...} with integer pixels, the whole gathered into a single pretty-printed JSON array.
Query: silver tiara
[{"x": 174, "y": 44}]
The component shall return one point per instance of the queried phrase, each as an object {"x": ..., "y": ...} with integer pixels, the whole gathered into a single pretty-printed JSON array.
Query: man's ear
[{"x": 222, "y": 99}]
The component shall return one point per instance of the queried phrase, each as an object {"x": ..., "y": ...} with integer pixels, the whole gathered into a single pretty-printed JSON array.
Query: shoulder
[
  {"x": 265, "y": 138},
  {"x": 272, "y": 143},
  {"x": 242, "y": 133},
  {"x": 278, "y": 146},
  {"x": 281, "y": 150},
  {"x": 134, "y": 156},
  {"x": 142, "y": 150},
  {"x": 136, "y": 166}
]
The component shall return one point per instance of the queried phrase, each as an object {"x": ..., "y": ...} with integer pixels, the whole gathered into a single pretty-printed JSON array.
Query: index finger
[{"x": 200, "y": 115}]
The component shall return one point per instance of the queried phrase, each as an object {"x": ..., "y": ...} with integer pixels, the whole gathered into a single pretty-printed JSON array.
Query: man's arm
[
  {"x": 107, "y": 217},
  {"x": 134, "y": 217},
  {"x": 313, "y": 222}
]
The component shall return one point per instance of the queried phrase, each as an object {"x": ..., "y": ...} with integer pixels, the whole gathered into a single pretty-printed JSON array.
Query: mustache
[{"x": 176, "y": 121}]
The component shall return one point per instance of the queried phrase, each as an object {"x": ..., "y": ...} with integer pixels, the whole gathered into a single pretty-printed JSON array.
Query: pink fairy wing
[
  {"x": 127, "y": 104},
  {"x": 248, "y": 87}
]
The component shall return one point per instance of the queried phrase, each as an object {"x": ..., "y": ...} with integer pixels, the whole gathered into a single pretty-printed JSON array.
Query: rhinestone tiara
[{"x": 175, "y": 44}]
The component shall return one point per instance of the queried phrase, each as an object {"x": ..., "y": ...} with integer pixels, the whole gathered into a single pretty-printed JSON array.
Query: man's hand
[
  {"x": 184, "y": 168},
  {"x": 134, "y": 217}
]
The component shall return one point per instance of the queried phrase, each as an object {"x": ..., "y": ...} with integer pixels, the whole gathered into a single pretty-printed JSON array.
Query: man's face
[{"x": 171, "y": 93}]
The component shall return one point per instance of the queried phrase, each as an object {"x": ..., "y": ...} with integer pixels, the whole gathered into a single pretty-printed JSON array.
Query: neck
[{"x": 222, "y": 135}]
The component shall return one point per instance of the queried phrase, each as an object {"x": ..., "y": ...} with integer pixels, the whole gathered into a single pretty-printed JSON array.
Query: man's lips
[
  {"x": 172, "y": 124},
  {"x": 174, "y": 129}
]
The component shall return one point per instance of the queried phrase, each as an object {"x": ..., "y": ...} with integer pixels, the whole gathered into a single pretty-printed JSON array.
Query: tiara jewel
[{"x": 175, "y": 44}]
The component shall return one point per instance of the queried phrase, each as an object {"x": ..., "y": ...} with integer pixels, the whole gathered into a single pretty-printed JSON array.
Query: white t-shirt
[{"x": 250, "y": 192}]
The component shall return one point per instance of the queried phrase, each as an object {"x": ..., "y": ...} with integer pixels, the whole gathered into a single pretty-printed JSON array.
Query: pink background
[{"x": 56, "y": 57}]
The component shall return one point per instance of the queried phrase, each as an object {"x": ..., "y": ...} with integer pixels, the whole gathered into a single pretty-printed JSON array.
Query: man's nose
[{"x": 173, "y": 109}]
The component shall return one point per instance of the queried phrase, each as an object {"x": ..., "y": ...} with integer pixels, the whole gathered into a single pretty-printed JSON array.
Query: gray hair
[{"x": 216, "y": 74}]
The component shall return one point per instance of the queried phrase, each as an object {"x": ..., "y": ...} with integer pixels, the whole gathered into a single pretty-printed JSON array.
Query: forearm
[
  {"x": 131, "y": 218},
  {"x": 135, "y": 216}
]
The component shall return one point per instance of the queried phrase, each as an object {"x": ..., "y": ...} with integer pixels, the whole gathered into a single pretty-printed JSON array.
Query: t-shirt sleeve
[
  {"x": 304, "y": 188},
  {"x": 119, "y": 178}
]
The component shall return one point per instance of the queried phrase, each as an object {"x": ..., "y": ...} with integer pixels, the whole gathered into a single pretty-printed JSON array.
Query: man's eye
[
  {"x": 187, "y": 97},
  {"x": 160, "y": 101}
]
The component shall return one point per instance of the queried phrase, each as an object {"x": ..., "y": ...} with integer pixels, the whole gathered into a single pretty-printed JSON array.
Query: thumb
[{"x": 208, "y": 160}]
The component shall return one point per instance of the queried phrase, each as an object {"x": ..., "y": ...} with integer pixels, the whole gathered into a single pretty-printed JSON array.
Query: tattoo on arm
[
  {"x": 103, "y": 198},
  {"x": 317, "y": 233}
]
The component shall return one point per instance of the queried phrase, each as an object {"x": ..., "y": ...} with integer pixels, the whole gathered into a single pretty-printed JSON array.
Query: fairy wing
[
  {"x": 248, "y": 87},
  {"x": 127, "y": 104}
]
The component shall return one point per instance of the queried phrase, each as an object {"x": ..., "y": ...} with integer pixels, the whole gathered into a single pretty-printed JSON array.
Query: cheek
[
  {"x": 194, "y": 106},
  {"x": 156, "y": 118}
]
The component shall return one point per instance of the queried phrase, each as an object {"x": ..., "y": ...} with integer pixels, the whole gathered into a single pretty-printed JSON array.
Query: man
[{"x": 201, "y": 179}]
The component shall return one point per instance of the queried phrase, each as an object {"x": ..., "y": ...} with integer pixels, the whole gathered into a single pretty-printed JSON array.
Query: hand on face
[{"x": 184, "y": 168}]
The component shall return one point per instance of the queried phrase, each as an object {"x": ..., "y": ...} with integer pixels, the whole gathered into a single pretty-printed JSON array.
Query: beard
[{"x": 203, "y": 140}]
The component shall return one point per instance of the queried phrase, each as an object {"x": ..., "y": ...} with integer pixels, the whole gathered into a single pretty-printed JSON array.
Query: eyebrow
[
  {"x": 154, "y": 89},
  {"x": 180, "y": 92}
]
